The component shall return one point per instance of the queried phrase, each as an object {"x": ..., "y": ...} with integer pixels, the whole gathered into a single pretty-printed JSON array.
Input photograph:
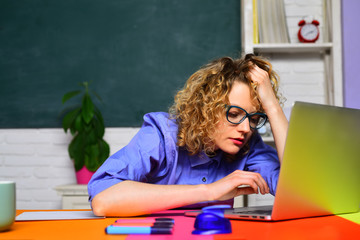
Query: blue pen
[{"x": 138, "y": 230}]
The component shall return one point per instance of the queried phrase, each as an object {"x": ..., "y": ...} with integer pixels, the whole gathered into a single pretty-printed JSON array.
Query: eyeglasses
[{"x": 237, "y": 115}]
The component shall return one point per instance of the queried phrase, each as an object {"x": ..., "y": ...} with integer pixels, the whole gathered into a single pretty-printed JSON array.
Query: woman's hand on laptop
[{"x": 237, "y": 183}]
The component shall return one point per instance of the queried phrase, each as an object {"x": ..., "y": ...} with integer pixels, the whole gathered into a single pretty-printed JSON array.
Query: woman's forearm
[
  {"x": 279, "y": 125},
  {"x": 130, "y": 198},
  {"x": 271, "y": 105}
]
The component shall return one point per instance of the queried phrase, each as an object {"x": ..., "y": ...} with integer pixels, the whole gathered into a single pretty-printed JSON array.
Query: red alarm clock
[{"x": 308, "y": 32}]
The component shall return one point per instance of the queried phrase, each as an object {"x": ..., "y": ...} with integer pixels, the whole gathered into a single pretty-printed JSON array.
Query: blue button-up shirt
[{"x": 152, "y": 156}]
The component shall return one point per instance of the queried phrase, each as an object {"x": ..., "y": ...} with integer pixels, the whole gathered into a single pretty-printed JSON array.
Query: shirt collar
[{"x": 202, "y": 158}]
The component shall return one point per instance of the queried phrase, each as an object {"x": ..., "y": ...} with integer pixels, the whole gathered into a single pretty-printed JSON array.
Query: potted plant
[{"x": 87, "y": 149}]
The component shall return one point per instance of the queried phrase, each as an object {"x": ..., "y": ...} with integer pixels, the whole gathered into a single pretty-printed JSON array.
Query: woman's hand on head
[
  {"x": 264, "y": 89},
  {"x": 237, "y": 183}
]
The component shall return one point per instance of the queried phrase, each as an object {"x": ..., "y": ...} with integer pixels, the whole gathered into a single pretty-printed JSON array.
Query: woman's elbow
[{"x": 98, "y": 206}]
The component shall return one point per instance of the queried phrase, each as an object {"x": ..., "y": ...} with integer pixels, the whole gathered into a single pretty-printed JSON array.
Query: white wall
[
  {"x": 37, "y": 160},
  {"x": 302, "y": 77}
]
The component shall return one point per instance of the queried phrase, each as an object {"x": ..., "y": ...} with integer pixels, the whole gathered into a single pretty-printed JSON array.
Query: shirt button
[{"x": 204, "y": 179}]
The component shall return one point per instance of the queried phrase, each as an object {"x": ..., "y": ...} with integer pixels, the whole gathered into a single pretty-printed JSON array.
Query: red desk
[{"x": 333, "y": 227}]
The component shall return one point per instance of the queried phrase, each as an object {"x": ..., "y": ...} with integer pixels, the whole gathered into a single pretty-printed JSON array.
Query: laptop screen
[{"x": 320, "y": 171}]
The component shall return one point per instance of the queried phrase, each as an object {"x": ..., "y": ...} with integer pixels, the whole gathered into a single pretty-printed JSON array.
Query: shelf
[
  {"x": 292, "y": 47},
  {"x": 74, "y": 189},
  {"x": 268, "y": 138}
]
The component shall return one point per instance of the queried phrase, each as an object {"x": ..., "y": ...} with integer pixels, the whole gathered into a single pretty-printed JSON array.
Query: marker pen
[
  {"x": 154, "y": 224},
  {"x": 138, "y": 230},
  {"x": 145, "y": 220}
]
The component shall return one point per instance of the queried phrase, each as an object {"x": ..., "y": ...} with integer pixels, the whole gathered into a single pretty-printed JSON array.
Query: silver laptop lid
[{"x": 320, "y": 173}]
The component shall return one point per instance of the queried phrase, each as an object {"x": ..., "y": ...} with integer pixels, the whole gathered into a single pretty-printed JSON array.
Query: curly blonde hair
[{"x": 200, "y": 104}]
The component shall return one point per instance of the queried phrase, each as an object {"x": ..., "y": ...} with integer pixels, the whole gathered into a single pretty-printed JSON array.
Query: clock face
[{"x": 309, "y": 32}]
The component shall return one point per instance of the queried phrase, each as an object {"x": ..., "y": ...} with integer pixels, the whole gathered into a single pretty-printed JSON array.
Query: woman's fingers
[
  {"x": 245, "y": 191},
  {"x": 252, "y": 179},
  {"x": 260, "y": 78},
  {"x": 257, "y": 184},
  {"x": 258, "y": 75},
  {"x": 237, "y": 183}
]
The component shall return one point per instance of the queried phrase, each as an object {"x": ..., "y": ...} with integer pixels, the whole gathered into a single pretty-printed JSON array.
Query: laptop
[{"x": 320, "y": 173}]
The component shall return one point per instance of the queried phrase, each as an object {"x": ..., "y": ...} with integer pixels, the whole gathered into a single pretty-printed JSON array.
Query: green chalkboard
[{"x": 135, "y": 53}]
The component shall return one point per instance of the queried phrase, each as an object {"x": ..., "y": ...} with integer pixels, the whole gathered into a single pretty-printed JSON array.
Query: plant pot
[{"x": 83, "y": 176}]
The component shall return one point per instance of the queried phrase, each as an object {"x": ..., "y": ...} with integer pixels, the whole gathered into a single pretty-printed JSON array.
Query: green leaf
[
  {"x": 72, "y": 131},
  {"x": 69, "y": 118},
  {"x": 99, "y": 116},
  {"x": 92, "y": 152},
  {"x": 75, "y": 147},
  {"x": 99, "y": 124},
  {"x": 91, "y": 136},
  {"x": 86, "y": 159},
  {"x": 78, "y": 123},
  {"x": 104, "y": 151},
  {"x": 99, "y": 128},
  {"x": 87, "y": 110},
  {"x": 69, "y": 95},
  {"x": 96, "y": 155},
  {"x": 76, "y": 151}
]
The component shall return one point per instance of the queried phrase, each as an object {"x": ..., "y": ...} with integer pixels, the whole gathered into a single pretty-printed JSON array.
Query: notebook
[{"x": 320, "y": 173}]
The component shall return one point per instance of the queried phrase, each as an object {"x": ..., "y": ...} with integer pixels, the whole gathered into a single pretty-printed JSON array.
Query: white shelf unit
[
  {"x": 330, "y": 52},
  {"x": 74, "y": 196}
]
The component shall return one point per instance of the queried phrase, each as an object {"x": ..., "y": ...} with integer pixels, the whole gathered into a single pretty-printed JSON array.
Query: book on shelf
[
  {"x": 327, "y": 21},
  {"x": 271, "y": 21},
  {"x": 255, "y": 22}
]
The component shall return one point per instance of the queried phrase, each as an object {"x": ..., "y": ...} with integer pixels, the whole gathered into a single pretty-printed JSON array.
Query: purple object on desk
[{"x": 212, "y": 221}]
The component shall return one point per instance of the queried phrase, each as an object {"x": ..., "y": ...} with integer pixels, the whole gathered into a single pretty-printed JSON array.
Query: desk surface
[{"x": 332, "y": 227}]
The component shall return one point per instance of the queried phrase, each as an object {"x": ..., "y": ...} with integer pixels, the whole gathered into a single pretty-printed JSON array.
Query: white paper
[{"x": 55, "y": 215}]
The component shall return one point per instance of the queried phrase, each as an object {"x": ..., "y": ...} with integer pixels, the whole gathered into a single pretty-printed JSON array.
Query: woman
[{"x": 206, "y": 150}]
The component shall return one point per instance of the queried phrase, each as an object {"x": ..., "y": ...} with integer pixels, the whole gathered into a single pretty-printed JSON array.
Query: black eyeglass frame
[{"x": 247, "y": 115}]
